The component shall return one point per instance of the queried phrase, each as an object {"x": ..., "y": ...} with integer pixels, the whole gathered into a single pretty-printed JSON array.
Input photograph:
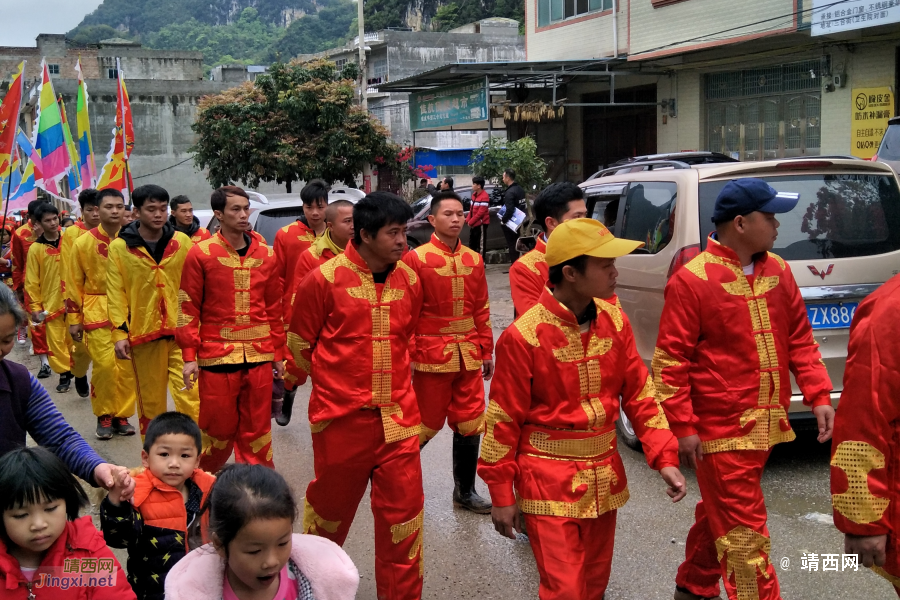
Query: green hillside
[{"x": 263, "y": 31}]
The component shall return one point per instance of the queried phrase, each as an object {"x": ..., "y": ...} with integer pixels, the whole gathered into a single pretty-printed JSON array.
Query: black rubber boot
[
  {"x": 287, "y": 408},
  {"x": 465, "y": 460},
  {"x": 82, "y": 386}
]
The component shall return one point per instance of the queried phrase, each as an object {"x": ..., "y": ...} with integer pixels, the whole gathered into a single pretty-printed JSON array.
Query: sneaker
[
  {"x": 45, "y": 372},
  {"x": 104, "y": 427},
  {"x": 82, "y": 387},
  {"x": 23, "y": 336},
  {"x": 65, "y": 380},
  {"x": 122, "y": 427}
]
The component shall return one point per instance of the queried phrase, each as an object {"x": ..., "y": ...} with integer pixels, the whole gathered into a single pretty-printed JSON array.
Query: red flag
[{"x": 9, "y": 118}]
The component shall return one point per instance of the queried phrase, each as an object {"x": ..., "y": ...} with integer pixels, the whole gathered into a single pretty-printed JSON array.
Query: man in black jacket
[{"x": 513, "y": 198}]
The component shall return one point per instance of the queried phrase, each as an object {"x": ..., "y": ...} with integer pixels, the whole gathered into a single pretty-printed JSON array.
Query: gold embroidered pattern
[
  {"x": 320, "y": 426},
  {"x": 297, "y": 345},
  {"x": 531, "y": 259},
  {"x": 613, "y": 310},
  {"x": 410, "y": 274},
  {"x": 209, "y": 443},
  {"x": 857, "y": 460},
  {"x": 394, "y": 431},
  {"x": 330, "y": 266},
  {"x": 492, "y": 450},
  {"x": 473, "y": 427},
  {"x": 183, "y": 318},
  {"x": 427, "y": 433},
  {"x": 661, "y": 362},
  {"x": 403, "y": 531},
  {"x": 312, "y": 521},
  {"x": 748, "y": 552},
  {"x": 464, "y": 325},
  {"x": 895, "y": 581},
  {"x": 573, "y": 448},
  {"x": 777, "y": 259},
  {"x": 256, "y": 332},
  {"x": 596, "y": 500}
]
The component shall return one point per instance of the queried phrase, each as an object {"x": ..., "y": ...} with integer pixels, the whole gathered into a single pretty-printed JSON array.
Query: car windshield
[
  {"x": 838, "y": 216},
  {"x": 890, "y": 144},
  {"x": 270, "y": 221},
  {"x": 421, "y": 203}
]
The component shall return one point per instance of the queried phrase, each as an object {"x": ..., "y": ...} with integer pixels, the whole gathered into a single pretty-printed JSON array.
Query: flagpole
[
  {"x": 124, "y": 130},
  {"x": 8, "y": 189}
]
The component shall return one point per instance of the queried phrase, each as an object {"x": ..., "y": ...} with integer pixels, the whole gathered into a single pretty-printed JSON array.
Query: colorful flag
[
  {"x": 83, "y": 139},
  {"x": 49, "y": 139},
  {"x": 27, "y": 190},
  {"x": 25, "y": 144},
  {"x": 115, "y": 172},
  {"x": 11, "y": 178},
  {"x": 74, "y": 174},
  {"x": 9, "y": 122}
]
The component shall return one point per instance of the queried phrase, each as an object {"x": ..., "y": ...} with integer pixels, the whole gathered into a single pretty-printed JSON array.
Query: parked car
[
  {"x": 650, "y": 161},
  {"x": 889, "y": 150},
  {"x": 281, "y": 209},
  {"x": 842, "y": 242},
  {"x": 419, "y": 229}
]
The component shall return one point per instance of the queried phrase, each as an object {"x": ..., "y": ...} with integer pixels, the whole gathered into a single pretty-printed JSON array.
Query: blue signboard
[{"x": 456, "y": 104}]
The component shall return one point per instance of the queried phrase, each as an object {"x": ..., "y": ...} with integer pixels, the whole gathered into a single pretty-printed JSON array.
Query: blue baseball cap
[{"x": 750, "y": 194}]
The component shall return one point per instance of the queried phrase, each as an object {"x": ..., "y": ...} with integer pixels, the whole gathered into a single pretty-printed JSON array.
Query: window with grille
[
  {"x": 552, "y": 11},
  {"x": 112, "y": 73},
  {"x": 379, "y": 68},
  {"x": 53, "y": 69},
  {"x": 765, "y": 113},
  {"x": 465, "y": 55}
]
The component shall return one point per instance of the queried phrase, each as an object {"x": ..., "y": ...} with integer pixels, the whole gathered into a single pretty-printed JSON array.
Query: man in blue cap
[{"x": 733, "y": 329}]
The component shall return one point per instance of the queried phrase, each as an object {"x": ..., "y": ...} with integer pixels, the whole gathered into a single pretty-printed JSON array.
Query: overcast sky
[{"x": 23, "y": 21}]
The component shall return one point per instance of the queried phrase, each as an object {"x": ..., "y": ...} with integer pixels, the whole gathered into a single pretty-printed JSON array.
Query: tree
[
  {"x": 91, "y": 34},
  {"x": 318, "y": 32},
  {"x": 298, "y": 122},
  {"x": 497, "y": 154}
]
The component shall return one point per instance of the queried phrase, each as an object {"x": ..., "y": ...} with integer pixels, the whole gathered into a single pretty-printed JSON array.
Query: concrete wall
[
  {"x": 587, "y": 36},
  {"x": 684, "y": 131},
  {"x": 658, "y": 30},
  {"x": 409, "y": 52}
]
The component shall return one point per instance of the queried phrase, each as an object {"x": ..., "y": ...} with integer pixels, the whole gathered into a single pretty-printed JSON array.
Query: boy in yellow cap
[{"x": 550, "y": 430}]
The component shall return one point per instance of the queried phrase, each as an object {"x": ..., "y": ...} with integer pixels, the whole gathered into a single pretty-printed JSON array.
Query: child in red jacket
[{"x": 46, "y": 551}]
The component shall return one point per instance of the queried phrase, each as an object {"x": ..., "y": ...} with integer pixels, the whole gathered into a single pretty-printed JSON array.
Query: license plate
[{"x": 831, "y": 316}]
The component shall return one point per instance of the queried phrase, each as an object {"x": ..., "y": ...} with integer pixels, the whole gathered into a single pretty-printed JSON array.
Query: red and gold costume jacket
[
  {"x": 229, "y": 307},
  {"x": 554, "y": 401},
  {"x": 865, "y": 481},
  {"x": 86, "y": 280},
  {"x": 200, "y": 235},
  {"x": 291, "y": 242},
  {"x": 454, "y": 330},
  {"x": 22, "y": 240},
  {"x": 352, "y": 336},
  {"x": 725, "y": 345},
  {"x": 528, "y": 277}
]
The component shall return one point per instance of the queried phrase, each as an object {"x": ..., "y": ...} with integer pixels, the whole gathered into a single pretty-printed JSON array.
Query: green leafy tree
[
  {"x": 91, "y": 34},
  {"x": 497, "y": 155},
  {"x": 295, "y": 123},
  {"x": 318, "y": 32}
]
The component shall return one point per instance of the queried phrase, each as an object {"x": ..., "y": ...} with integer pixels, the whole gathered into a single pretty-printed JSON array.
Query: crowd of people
[{"x": 396, "y": 344}]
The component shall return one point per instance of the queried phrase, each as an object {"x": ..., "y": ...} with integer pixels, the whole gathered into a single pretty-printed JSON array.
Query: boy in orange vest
[{"x": 168, "y": 494}]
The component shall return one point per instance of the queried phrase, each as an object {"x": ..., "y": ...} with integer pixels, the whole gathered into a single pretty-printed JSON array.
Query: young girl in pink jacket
[{"x": 254, "y": 554}]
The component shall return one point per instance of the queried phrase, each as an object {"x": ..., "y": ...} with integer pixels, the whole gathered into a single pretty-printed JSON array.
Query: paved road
[{"x": 465, "y": 558}]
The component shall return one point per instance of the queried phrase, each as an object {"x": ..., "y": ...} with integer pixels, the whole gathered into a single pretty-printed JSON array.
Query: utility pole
[{"x": 363, "y": 80}]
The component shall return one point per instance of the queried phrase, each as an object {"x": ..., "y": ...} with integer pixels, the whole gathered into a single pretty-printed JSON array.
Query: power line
[{"x": 162, "y": 170}]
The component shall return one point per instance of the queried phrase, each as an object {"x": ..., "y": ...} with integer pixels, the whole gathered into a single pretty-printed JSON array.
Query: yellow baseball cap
[{"x": 589, "y": 237}]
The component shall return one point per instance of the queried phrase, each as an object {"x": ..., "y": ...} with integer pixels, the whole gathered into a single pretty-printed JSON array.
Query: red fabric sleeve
[
  {"x": 19, "y": 258},
  {"x": 805, "y": 360},
  {"x": 864, "y": 446},
  {"x": 275, "y": 310},
  {"x": 483, "y": 312},
  {"x": 525, "y": 287},
  {"x": 190, "y": 299},
  {"x": 678, "y": 336},
  {"x": 510, "y": 401},
  {"x": 642, "y": 409},
  {"x": 308, "y": 319}
]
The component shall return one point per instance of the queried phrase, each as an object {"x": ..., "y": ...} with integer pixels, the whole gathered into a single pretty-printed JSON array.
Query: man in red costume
[
  {"x": 865, "y": 491},
  {"x": 454, "y": 343},
  {"x": 562, "y": 367},
  {"x": 291, "y": 242},
  {"x": 339, "y": 232},
  {"x": 735, "y": 300},
  {"x": 350, "y": 331},
  {"x": 231, "y": 335},
  {"x": 22, "y": 240},
  {"x": 479, "y": 217},
  {"x": 556, "y": 204}
]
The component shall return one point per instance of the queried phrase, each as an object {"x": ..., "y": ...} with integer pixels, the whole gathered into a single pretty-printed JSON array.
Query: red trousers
[
  {"x": 729, "y": 538},
  {"x": 236, "y": 414},
  {"x": 573, "y": 556},
  {"x": 347, "y": 454},
  {"x": 457, "y": 398},
  {"x": 38, "y": 334}
]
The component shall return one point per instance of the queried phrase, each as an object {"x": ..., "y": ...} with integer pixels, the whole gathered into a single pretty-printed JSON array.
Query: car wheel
[{"x": 626, "y": 432}]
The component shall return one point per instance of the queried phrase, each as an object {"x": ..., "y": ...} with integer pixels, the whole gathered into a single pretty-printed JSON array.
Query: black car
[{"x": 419, "y": 230}]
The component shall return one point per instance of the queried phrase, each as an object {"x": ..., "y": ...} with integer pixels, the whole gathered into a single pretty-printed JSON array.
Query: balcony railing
[{"x": 369, "y": 37}]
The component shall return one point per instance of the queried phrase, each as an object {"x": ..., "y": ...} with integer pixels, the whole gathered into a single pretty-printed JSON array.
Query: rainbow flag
[
  {"x": 83, "y": 139},
  {"x": 27, "y": 190},
  {"x": 49, "y": 139},
  {"x": 115, "y": 172},
  {"x": 74, "y": 173},
  {"x": 25, "y": 144},
  {"x": 9, "y": 123}
]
